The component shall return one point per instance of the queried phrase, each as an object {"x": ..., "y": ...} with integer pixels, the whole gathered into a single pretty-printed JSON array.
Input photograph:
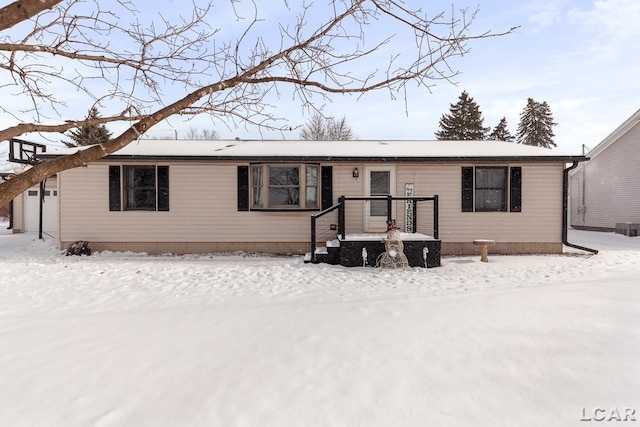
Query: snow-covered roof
[{"x": 332, "y": 150}]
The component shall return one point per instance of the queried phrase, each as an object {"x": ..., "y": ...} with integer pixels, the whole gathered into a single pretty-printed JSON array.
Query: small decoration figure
[
  {"x": 79, "y": 248},
  {"x": 394, "y": 256}
]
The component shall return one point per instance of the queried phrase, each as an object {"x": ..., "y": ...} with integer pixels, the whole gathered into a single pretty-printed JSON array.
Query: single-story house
[
  {"x": 604, "y": 191},
  {"x": 164, "y": 196}
]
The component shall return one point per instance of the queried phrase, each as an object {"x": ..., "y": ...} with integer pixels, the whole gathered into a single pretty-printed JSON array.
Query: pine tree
[
  {"x": 536, "y": 125},
  {"x": 322, "y": 128},
  {"x": 501, "y": 132},
  {"x": 464, "y": 122},
  {"x": 89, "y": 134}
]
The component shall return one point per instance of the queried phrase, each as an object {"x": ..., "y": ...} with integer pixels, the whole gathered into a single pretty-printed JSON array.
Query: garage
[{"x": 49, "y": 209}]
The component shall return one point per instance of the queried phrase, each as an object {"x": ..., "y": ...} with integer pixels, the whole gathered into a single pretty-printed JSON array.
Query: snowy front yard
[{"x": 120, "y": 339}]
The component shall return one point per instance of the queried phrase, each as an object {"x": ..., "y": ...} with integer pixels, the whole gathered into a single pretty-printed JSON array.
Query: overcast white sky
[
  {"x": 582, "y": 57},
  {"x": 579, "y": 56}
]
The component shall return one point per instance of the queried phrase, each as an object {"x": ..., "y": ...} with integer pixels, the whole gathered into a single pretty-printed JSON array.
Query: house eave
[
  {"x": 616, "y": 134},
  {"x": 344, "y": 159}
]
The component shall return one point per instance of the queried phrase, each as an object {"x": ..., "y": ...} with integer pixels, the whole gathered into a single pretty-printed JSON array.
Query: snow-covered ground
[{"x": 123, "y": 339}]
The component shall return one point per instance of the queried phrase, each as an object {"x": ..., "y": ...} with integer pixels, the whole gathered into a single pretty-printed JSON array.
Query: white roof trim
[{"x": 328, "y": 149}]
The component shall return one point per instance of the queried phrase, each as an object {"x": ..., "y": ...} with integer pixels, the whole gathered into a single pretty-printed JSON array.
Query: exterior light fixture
[{"x": 356, "y": 173}]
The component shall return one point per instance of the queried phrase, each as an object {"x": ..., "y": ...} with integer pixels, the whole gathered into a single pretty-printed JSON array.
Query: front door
[{"x": 380, "y": 182}]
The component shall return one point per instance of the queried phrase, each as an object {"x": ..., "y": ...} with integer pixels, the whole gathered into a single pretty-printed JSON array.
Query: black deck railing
[{"x": 341, "y": 207}]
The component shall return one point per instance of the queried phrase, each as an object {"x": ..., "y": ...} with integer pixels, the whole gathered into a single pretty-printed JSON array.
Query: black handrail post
[
  {"x": 10, "y": 215},
  {"x": 389, "y": 205},
  {"x": 415, "y": 216},
  {"x": 313, "y": 238},
  {"x": 40, "y": 214},
  {"x": 436, "y": 225},
  {"x": 341, "y": 220}
]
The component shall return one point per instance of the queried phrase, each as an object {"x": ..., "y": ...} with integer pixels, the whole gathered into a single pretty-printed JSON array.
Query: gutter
[
  {"x": 565, "y": 211},
  {"x": 329, "y": 158}
]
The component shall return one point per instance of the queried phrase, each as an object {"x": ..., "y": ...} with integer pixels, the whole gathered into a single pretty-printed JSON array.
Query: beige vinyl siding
[
  {"x": 539, "y": 221},
  {"x": 203, "y": 209},
  {"x": 612, "y": 185},
  {"x": 344, "y": 184},
  {"x": 18, "y": 214}
]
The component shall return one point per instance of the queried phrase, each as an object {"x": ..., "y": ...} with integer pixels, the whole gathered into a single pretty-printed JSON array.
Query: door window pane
[{"x": 380, "y": 185}]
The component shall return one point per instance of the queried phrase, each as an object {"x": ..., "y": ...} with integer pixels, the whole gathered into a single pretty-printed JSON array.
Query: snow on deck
[{"x": 382, "y": 236}]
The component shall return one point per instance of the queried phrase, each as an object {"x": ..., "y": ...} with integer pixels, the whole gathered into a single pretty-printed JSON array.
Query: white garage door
[{"x": 49, "y": 211}]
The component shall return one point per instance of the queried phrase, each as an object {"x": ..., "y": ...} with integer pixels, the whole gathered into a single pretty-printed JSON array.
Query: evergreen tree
[
  {"x": 322, "y": 128},
  {"x": 464, "y": 122},
  {"x": 501, "y": 132},
  {"x": 536, "y": 125},
  {"x": 89, "y": 134}
]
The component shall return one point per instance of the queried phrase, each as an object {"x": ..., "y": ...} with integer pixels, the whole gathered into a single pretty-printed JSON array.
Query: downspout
[{"x": 565, "y": 211}]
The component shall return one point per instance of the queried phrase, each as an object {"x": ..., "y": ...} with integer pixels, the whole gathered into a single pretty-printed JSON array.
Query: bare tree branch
[
  {"x": 133, "y": 64},
  {"x": 21, "y": 10}
]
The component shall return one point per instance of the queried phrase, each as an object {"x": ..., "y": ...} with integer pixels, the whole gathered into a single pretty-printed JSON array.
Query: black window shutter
[
  {"x": 163, "y": 188},
  {"x": 326, "y": 180},
  {"x": 243, "y": 188},
  {"x": 115, "y": 201},
  {"x": 467, "y": 189},
  {"x": 515, "y": 197}
]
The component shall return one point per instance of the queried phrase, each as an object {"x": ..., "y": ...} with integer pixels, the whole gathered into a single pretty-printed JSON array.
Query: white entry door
[{"x": 380, "y": 181}]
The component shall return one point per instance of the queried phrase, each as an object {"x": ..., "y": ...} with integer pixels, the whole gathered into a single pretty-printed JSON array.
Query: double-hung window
[
  {"x": 287, "y": 186},
  {"x": 139, "y": 188},
  {"x": 491, "y": 189}
]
